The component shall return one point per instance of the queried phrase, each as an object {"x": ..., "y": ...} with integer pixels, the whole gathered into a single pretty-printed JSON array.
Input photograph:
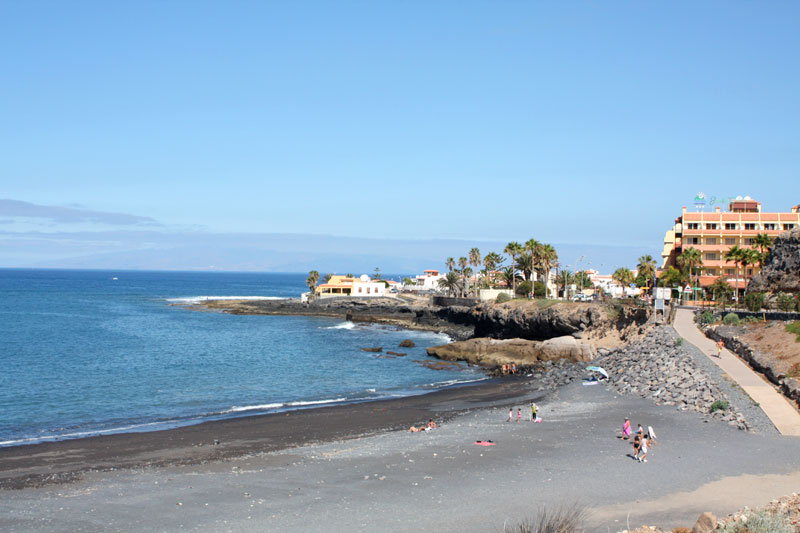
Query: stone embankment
[
  {"x": 760, "y": 362},
  {"x": 494, "y": 352},
  {"x": 659, "y": 367}
]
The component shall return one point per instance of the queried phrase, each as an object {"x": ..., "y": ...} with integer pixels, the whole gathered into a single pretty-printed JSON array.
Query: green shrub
[
  {"x": 707, "y": 317},
  {"x": 538, "y": 289},
  {"x": 720, "y": 405},
  {"x": 679, "y": 341},
  {"x": 502, "y": 298},
  {"x": 562, "y": 519},
  {"x": 754, "y": 301},
  {"x": 524, "y": 288},
  {"x": 731, "y": 319},
  {"x": 760, "y": 522},
  {"x": 794, "y": 327},
  {"x": 785, "y": 302},
  {"x": 751, "y": 319}
]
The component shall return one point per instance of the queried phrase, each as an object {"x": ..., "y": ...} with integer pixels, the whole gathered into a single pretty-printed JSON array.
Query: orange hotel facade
[{"x": 714, "y": 233}]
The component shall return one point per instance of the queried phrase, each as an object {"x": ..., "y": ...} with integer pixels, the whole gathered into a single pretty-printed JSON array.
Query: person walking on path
[
  {"x": 720, "y": 346},
  {"x": 533, "y": 412},
  {"x": 519, "y": 414},
  {"x": 643, "y": 448},
  {"x": 626, "y": 429},
  {"x": 637, "y": 445},
  {"x": 510, "y": 414}
]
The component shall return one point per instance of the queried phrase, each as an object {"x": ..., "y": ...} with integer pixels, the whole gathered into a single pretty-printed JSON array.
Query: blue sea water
[{"x": 82, "y": 353}]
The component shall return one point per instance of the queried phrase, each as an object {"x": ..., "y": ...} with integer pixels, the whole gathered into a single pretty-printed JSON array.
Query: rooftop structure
[
  {"x": 349, "y": 286},
  {"x": 716, "y": 232}
]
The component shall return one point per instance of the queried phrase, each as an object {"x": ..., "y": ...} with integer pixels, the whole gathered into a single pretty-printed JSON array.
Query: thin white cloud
[{"x": 18, "y": 208}]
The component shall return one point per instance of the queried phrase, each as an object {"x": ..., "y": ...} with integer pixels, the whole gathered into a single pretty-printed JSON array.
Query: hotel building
[{"x": 716, "y": 232}]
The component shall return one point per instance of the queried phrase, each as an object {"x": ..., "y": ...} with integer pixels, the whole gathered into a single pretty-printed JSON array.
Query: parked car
[{"x": 580, "y": 297}]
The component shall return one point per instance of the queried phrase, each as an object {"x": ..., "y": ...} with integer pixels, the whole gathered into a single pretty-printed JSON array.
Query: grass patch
[
  {"x": 544, "y": 303},
  {"x": 760, "y": 521},
  {"x": 794, "y": 327},
  {"x": 720, "y": 405},
  {"x": 794, "y": 371},
  {"x": 562, "y": 519}
]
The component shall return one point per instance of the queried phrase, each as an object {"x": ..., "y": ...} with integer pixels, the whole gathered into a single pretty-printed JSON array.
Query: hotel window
[
  {"x": 749, "y": 271},
  {"x": 693, "y": 225},
  {"x": 711, "y": 226},
  {"x": 749, "y": 227},
  {"x": 748, "y": 241},
  {"x": 730, "y": 226},
  {"x": 712, "y": 257},
  {"x": 729, "y": 272},
  {"x": 769, "y": 226},
  {"x": 693, "y": 240},
  {"x": 711, "y": 240},
  {"x": 711, "y": 272},
  {"x": 359, "y": 290},
  {"x": 787, "y": 227},
  {"x": 367, "y": 290},
  {"x": 730, "y": 240}
]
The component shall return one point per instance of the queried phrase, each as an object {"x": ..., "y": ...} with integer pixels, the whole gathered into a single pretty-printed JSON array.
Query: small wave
[
  {"x": 447, "y": 383},
  {"x": 239, "y": 409},
  {"x": 343, "y": 325},
  {"x": 370, "y": 390},
  {"x": 79, "y": 434},
  {"x": 316, "y": 402},
  {"x": 198, "y": 299}
]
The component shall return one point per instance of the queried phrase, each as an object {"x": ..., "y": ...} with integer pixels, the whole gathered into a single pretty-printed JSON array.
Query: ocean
[{"x": 87, "y": 352}]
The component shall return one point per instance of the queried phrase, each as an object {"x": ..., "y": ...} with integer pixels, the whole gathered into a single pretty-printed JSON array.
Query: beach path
[{"x": 779, "y": 410}]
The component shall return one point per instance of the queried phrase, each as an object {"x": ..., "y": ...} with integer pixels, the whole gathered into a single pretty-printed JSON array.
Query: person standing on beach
[
  {"x": 510, "y": 414},
  {"x": 533, "y": 412},
  {"x": 643, "y": 447},
  {"x": 626, "y": 429},
  {"x": 720, "y": 346},
  {"x": 519, "y": 414},
  {"x": 637, "y": 444}
]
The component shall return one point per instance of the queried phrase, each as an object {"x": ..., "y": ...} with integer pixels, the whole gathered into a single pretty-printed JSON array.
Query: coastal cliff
[{"x": 781, "y": 269}]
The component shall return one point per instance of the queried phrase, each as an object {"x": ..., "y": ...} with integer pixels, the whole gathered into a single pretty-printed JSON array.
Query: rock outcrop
[
  {"x": 493, "y": 352},
  {"x": 781, "y": 269}
]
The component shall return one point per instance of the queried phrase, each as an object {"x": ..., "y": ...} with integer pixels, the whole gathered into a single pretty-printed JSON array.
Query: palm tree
[
  {"x": 624, "y": 277},
  {"x": 467, "y": 278},
  {"x": 311, "y": 282},
  {"x": 510, "y": 276},
  {"x": 526, "y": 266},
  {"x": 750, "y": 256},
  {"x": 451, "y": 282},
  {"x": 734, "y": 254},
  {"x": 513, "y": 249},
  {"x": 692, "y": 260},
  {"x": 647, "y": 268},
  {"x": 475, "y": 261},
  {"x": 462, "y": 264},
  {"x": 450, "y": 263},
  {"x": 490, "y": 261},
  {"x": 549, "y": 257},
  {"x": 763, "y": 242}
]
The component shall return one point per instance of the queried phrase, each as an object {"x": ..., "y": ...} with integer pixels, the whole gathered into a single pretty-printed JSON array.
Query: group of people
[
  {"x": 509, "y": 368},
  {"x": 534, "y": 418},
  {"x": 424, "y": 427},
  {"x": 642, "y": 441}
]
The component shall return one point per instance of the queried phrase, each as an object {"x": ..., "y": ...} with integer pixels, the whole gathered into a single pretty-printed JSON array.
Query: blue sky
[{"x": 587, "y": 123}]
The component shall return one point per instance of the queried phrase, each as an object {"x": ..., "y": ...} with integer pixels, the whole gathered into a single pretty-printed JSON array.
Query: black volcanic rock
[{"x": 781, "y": 269}]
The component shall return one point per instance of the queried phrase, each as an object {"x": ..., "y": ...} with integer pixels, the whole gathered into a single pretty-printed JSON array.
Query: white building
[
  {"x": 427, "y": 281},
  {"x": 361, "y": 287}
]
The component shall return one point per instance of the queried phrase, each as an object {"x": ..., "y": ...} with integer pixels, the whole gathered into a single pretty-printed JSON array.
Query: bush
[
  {"x": 502, "y": 298},
  {"x": 564, "y": 519},
  {"x": 538, "y": 289},
  {"x": 785, "y": 302},
  {"x": 524, "y": 288},
  {"x": 707, "y": 317},
  {"x": 794, "y": 327},
  {"x": 679, "y": 342},
  {"x": 720, "y": 405},
  {"x": 731, "y": 319},
  {"x": 754, "y": 301},
  {"x": 760, "y": 521}
]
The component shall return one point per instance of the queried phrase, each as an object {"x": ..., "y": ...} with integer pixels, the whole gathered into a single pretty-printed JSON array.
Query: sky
[{"x": 142, "y": 126}]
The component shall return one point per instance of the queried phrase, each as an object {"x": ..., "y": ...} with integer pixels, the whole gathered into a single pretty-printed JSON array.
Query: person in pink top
[{"x": 626, "y": 429}]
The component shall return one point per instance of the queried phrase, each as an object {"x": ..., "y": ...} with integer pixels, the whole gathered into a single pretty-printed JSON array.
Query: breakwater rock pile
[{"x": 659, "y": 368}]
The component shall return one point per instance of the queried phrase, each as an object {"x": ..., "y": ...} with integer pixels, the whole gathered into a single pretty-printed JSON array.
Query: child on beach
[
  {"x": 626, "y": 429},
  {"x": 510, "y": 414},
  {"x": 519, "y": 414},
  {"x": 643, "y": 448},
  {"x": 637, "y": 445},
  {"x": 720, "y": 346}
]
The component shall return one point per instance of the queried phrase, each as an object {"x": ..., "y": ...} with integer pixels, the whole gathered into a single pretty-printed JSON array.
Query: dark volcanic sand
[{"x": 64, "y": 461}]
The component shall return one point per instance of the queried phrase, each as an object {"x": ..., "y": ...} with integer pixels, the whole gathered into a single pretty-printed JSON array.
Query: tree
[
  {"x": 525, "y": 265},
  {"x": 450, "y": 263},
  {"x": 462, "y": 264},
  {"x": 582, "y": 280},
  {"x": 510, "y": 277},
  {"x": 409, "y": 281},
  {"x": 311, "y": 282},
  {"x": 513, "y": 249},
  {"x": 548, "y": 256},
  {"x": 672, "y": 277},
  {"x": 692, "y": 260},
  {"x": 490, "y": 261},
  {"x": 475, "y": 261},
  {"x": 451, "y": 282},
  {"x": 624, "y": 277},
  {"x": 327, "y": 277},
  {"x": 734, "y": 254},
  {"x": 533, "y": 247},
  {"x": 377, "y": 273},
  {"x": 764, "y": 243},
  {"x": 721, "y": 291},
  {"x": 566, "y": 278},
  {"x": 750, "y": 256},
  {"x": 467, "y": 277},
  {"x": 646, "y": 269}
]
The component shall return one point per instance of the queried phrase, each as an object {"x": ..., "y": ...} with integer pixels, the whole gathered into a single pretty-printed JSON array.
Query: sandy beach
[{"x": 357, "y": 468}]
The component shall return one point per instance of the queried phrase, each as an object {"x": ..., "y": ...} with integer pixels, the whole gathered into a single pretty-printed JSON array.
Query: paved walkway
[{"x": 785, "y": 417}]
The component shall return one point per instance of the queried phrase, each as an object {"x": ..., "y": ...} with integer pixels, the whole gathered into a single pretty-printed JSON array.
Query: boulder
[
  {"x": 407, "y": 343},
  {"x": 374, "y": 350},
  {"x": 705, "y": 524},
  {"x": 492, "y": 352}
]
